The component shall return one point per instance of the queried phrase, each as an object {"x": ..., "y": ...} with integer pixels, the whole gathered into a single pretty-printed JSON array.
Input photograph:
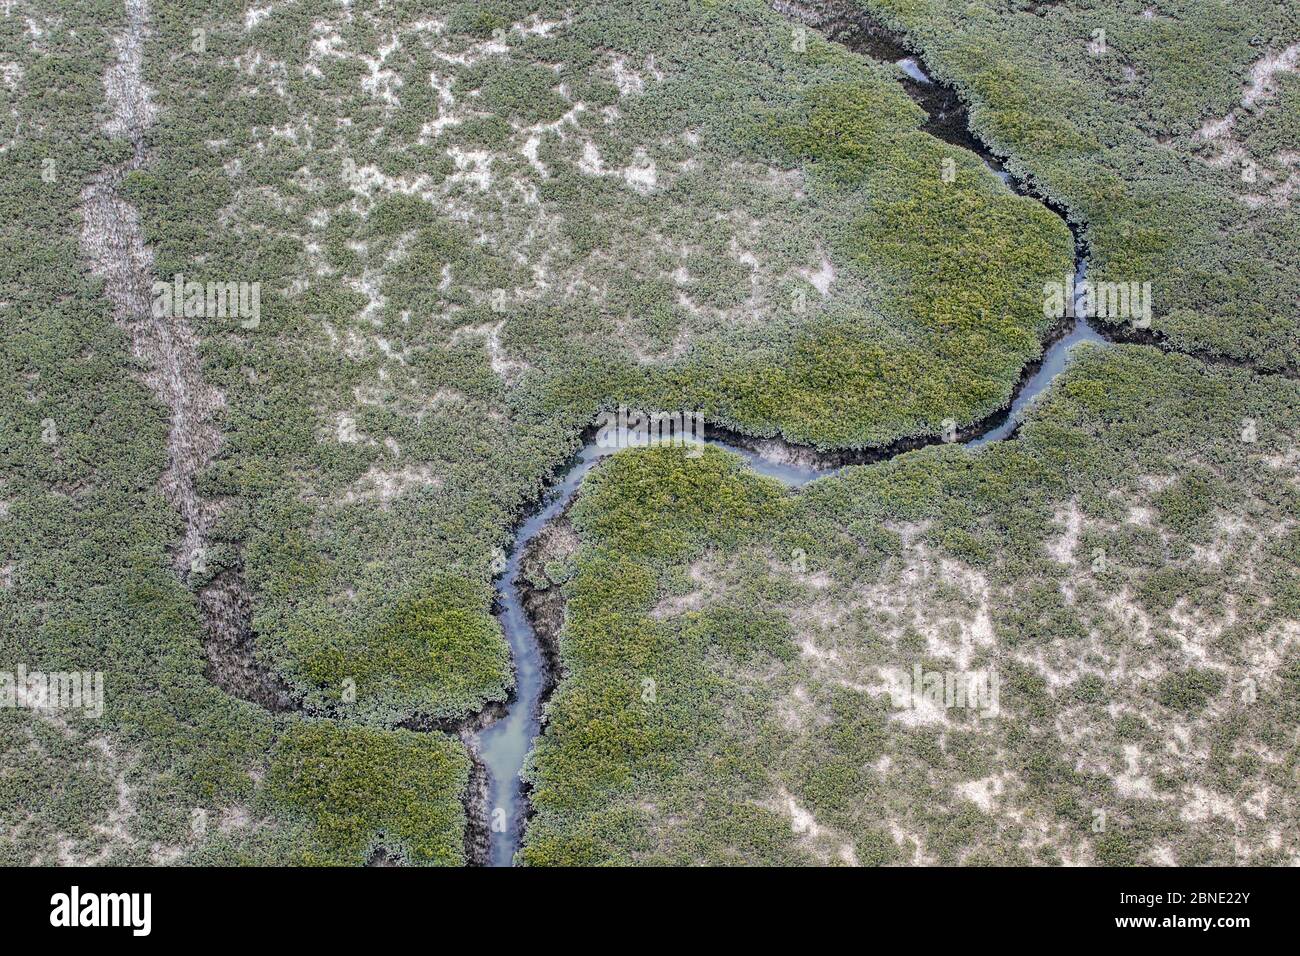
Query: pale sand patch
[
  {"x": 538, "y": 26},
  {"x": 1141, "y": 515},
  {"x": 1280, "y": 191},
  {"x": 1285, "y": 461},
  {"x": 905, "y": 838},
  {"x": 255, "y": 15},
  {"x": 472, "y": 166},
  {"x": 1265, "y": 653},
  {"x": 818, "y": 580},
  {"x": 801, "y": 821},
  {"x": 112, "y": 240},
  {"x": 529, "y": 149},
  {"x": 1062, "y": 549},
  {"x": 1265, "y": 70},
  {"x": 380, "y": 82},
  {"x": 1202, "y": 805},
  {"x": 628, "y": 80},
  {"x": 984, "y": 792},
  {"x": 822, "y": 842},
  {"x": 1228, "y": 530},
  {"x": 809, "y": 650},
  {"x": 385, "y": 484},
  {"x": 446, "y": 113},
  {"x": 591, "y": 164},
  {"x": 1163, "y": 855},
  {"x": 744, "y": 256},
  {"x": 501, "y": 364},
  {"x": 1257, "y": 803},
  {"x": 677, "y": 605},
  {"x": 821, "y": 278},
  {"x": 475, "y": 52},
  {"x": 368, "y": 285},
  {"x": 920, "y": 712},
  {"x": 1129, "y": 615},
  {"x": 325, "y": 42},
  {"x": 114, "y": 829},
  {"x": 1157, "y": 483},
  {"x": 704, "y": 578},
  {"x": 641, "y": 175},
  {"x": 908, "y": 599},
  {"x": 1196, "y": 629},
  {"x": 345, "y": 430},
  {"x": 1260, "y": 87},
  {"x": 130, "y": 101},
  {"x": 11, "y": 75},
  {"x": 367, "y": 180},
  {"x": 1132, "y": 783}
]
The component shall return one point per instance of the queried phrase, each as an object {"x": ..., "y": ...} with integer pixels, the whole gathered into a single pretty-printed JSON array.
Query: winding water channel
[{"x": 505, "y": 744}]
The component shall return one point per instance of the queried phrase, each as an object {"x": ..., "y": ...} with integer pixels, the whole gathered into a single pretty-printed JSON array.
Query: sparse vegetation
[
  {"x": 1034, "y": 559},
  {"x": 477, "y": 224},
  {"x": 1152, "y": 123}
]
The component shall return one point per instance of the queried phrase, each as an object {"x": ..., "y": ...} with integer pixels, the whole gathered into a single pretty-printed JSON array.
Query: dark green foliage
[
  {"x": 1111, "y": 136},
  {"x": 361, "y": 788},
  {"x": 808, "y": 731},
  {"x": 1188, "y": 505},
  {"x": 655, "y": 512},
  {"x": 438, "y": 654},
  {"x": 523, "y": 92},
  {"x": 1189, "y": 690}
]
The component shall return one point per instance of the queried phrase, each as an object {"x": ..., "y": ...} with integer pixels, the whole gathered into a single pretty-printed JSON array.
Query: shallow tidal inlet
[{"x": 514, "y": 433}]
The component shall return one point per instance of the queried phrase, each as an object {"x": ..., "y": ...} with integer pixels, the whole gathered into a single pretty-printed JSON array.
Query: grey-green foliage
[
  {"x": 84, "y": 531},
  {"x": 769, "y": 662},
  {"x": 1100, "y": 105},
  {"x": 386, "y": 422},
  {"x": 443, "y": 315},
  {"x": 169, "y": 771}
]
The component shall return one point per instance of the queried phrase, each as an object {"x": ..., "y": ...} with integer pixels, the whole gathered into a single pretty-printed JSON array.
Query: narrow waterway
[
  {"x": 504, "y": 746},
  {"x": 1055, "y": 360}
]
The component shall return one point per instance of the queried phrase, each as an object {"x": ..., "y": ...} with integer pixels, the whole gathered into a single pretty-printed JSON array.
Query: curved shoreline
[
  {"x": 505, "y": 744},
  {"x": 501, "y": 736}
]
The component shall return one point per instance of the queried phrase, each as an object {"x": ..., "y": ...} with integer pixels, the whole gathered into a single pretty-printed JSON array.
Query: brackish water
[{"x": 505, "y": 745}]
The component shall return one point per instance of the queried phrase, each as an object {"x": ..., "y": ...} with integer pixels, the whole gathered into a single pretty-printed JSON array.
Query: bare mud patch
[{"x": 112, "y": 242}]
